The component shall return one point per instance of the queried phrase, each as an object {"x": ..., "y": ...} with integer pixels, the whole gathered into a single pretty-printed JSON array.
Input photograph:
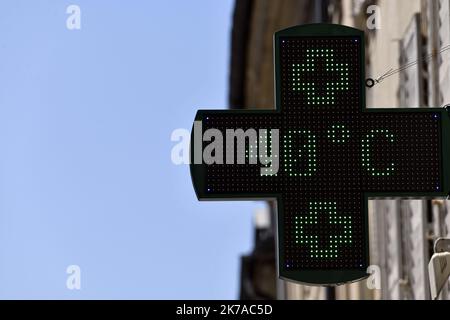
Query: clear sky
[{"x": 85, "y": 170}]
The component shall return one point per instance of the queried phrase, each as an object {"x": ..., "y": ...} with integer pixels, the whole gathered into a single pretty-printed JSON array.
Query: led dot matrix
[
  {"x": 296, "y": 154},
  {"x": 315, "y": 58},
  {"x": 336, "y": 239}
]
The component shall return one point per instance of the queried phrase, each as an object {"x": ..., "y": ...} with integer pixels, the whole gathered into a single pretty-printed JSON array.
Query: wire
[{"x": 372, "y": 82}]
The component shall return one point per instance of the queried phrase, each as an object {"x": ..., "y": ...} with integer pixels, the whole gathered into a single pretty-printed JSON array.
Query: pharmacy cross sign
[{"x": 321, "y": 154}]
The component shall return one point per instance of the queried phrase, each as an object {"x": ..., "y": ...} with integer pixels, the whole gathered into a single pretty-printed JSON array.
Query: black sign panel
[{"x": 332, "y": 154}]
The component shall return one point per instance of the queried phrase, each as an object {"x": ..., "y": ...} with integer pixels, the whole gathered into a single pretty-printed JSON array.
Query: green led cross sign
[{"x": 321, "y": 154}]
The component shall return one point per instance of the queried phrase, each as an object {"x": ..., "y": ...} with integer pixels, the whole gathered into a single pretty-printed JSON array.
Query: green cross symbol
[
  {"x": 313, "y": 56},
  {"x": 336, "y": 240}
]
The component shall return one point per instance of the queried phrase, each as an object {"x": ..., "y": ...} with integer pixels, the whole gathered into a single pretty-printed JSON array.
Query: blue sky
[{"x": 85, "y": 171}]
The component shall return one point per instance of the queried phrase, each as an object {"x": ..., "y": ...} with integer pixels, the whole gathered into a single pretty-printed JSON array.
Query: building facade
[{"x": 410, "y": 33}]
